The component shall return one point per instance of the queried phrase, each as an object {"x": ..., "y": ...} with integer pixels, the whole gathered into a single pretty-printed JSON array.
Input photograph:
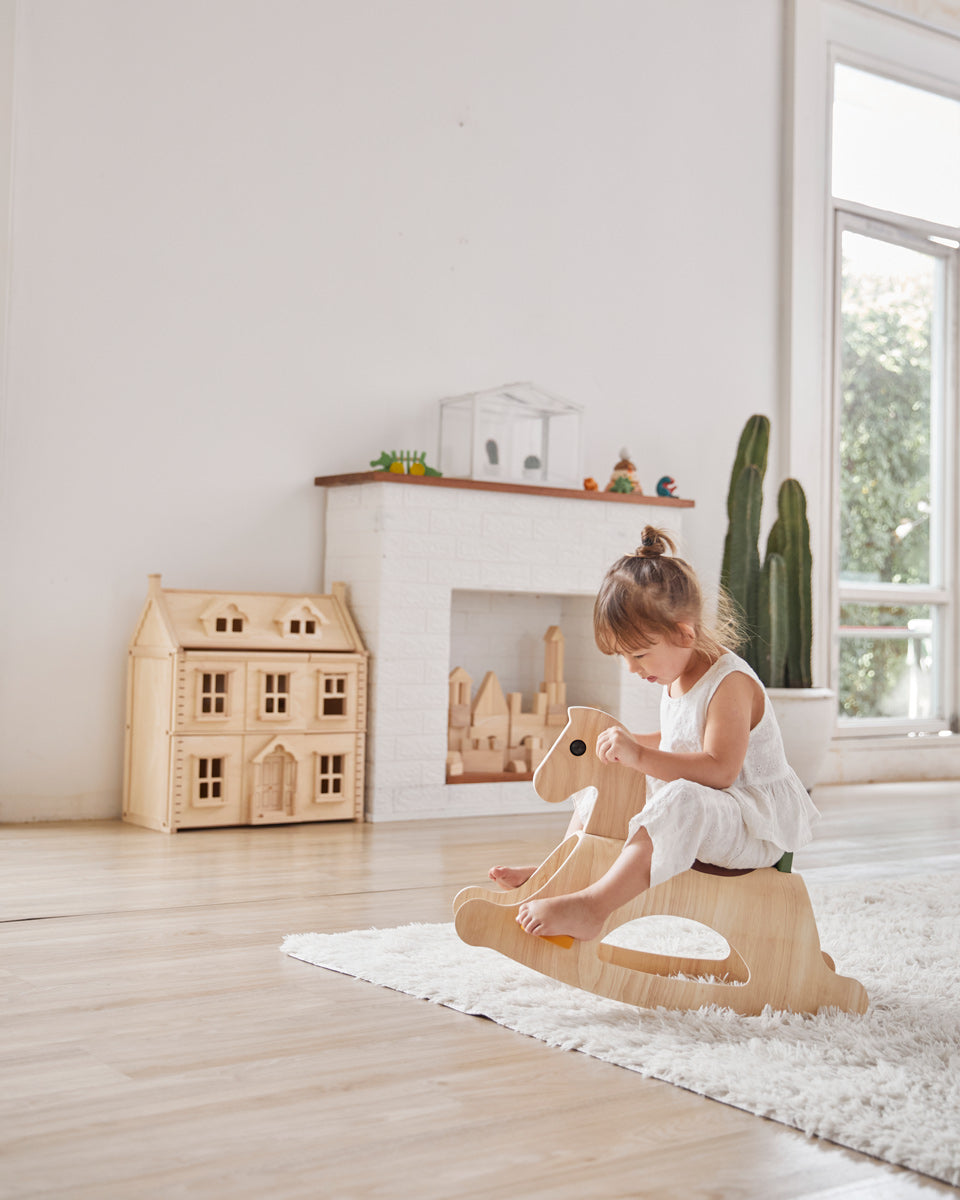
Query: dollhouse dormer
[
  {"x": 301, "y": 621},
  {"x": 223, "y": 617}
]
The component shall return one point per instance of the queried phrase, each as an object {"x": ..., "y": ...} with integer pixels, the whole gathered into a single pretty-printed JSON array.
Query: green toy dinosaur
[{"x": 409, "y": 462}]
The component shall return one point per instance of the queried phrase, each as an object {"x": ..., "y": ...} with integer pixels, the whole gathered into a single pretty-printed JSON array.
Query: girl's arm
[
  {"x": 649, "y": 741},
  {"x": 735, "y": 709}
]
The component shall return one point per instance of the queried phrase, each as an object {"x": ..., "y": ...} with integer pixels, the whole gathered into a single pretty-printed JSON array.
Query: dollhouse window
[
  {"x": 330, "y": 775},
  {"x": 209, "y": 779},
  {"x": 307, "y": 627},
  {"x": 220, "y": 617},
  {"x": 276, "y": 695},
  {"x": 301, "y": 619},
  {"x": 334, "y": 695},
  {"x": 213, "y": 694}
]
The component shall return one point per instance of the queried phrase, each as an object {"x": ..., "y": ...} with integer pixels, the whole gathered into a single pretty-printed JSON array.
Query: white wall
[{"x": 254, "y": 241}]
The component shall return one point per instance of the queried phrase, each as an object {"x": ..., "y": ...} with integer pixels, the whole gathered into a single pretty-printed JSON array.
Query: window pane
[
  {"x": 888, "y": 298},
  {"x": 886, "y": 661},
  {"x": 896, "y": 147}
]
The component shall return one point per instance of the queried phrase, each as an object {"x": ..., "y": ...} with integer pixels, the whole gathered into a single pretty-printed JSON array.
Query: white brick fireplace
[{"x": 435, "y": 568}]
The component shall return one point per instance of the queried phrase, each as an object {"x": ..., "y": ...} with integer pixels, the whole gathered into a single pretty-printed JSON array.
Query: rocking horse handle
[{"x": 572, "y": 764}]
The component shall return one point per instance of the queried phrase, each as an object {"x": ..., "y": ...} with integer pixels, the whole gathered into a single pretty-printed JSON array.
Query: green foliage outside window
[
  {"x": 873, "y": 668},
  {"x": 884, "y": 467}
]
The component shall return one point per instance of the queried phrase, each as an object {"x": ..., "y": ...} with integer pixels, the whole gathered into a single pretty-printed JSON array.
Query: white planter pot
[{"x": 807, "y": 718}]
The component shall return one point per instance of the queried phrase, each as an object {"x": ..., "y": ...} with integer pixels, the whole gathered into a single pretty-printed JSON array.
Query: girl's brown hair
[{"x": 647, "y": 594}]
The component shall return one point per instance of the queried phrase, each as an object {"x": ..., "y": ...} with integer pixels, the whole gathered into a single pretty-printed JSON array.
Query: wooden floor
[{"x": 155, "y": 1043}]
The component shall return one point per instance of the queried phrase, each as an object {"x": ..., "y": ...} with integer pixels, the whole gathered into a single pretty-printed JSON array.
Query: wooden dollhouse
[
  {"x": 244, "y": 709},
  {"x": 491, "y": 734}
]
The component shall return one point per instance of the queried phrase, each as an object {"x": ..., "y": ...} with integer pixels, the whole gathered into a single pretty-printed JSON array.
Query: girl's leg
[
  {"x": 581, "y": 914},
  {"x": 513, "y": 877}
]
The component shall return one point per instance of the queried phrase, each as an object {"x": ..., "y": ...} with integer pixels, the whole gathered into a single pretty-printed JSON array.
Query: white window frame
[
  {"x": 823, "y": 32},
  {"x": 939, "y": 592}
]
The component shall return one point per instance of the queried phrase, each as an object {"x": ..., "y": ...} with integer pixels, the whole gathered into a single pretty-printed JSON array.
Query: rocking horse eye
[{"x": 578, "y": 747}]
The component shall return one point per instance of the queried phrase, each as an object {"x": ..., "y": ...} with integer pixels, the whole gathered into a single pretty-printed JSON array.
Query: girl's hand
[{"x": 616, "y": 745}]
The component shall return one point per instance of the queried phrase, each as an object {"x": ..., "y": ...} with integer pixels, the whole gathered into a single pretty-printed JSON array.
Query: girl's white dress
[{"x": 765, "y": 812}]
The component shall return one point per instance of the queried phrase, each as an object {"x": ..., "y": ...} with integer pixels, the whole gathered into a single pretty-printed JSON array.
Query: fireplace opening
[{"x": 517, "y": 661}]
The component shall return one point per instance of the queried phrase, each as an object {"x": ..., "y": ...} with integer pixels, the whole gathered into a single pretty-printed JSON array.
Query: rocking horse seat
[
  {"x": 783, "y": 864},
  {"x": 763, "y": 915},
  {"x": 726, "y": 872}
]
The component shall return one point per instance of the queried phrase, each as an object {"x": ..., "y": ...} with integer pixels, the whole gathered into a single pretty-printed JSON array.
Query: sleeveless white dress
[{"x": 765, "y": 812}]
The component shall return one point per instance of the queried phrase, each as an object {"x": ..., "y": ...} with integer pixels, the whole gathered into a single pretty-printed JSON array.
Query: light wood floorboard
[{"x": 155, "y": 1044}]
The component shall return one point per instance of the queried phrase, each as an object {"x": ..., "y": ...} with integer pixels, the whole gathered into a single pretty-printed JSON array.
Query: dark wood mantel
[{"x": 482, "y": 485}]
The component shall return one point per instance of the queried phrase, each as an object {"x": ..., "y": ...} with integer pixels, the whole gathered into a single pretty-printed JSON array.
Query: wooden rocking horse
[{"x": 764, "y": 915}]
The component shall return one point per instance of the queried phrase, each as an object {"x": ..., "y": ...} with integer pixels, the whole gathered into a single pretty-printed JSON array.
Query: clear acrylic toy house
[{"x": 517, "y": 433}]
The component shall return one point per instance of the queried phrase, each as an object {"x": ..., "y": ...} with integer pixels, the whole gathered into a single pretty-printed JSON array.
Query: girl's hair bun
[
  {"x": 647, "y": 594},
  {"x": 654, "y": 543}
]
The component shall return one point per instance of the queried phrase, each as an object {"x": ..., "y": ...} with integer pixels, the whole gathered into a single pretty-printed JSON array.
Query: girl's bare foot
[
  {"x": 575, "y": 915},
  {"x": 510, "y": 877}
]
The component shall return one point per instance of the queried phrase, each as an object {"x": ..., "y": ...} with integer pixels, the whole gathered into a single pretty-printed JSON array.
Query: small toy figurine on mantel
[
  {"x": 666, "y": 486},
  {"x": 624, "y": 477},
  {"x": 409, "y": 462}
]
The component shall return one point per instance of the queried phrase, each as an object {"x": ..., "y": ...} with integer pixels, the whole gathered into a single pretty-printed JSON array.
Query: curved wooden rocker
[{"x": 764, "y": 915}]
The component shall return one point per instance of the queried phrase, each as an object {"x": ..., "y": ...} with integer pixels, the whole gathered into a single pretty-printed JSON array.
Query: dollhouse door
[{"x": 278, "y": 780}]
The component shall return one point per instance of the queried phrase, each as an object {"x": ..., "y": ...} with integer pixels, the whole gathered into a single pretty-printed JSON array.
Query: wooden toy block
[
  {"x": 244, "y": 709},
  {"x": 459, "y": 716},
  {"x": 499, "y": 721},
  {"x": 460, "y": 683},
  {"x": 482, "y": 761},
  {"x": 764, "y": 915},
  {"x": 489, "y": 702},
  {"x": 553, "y": 655}
]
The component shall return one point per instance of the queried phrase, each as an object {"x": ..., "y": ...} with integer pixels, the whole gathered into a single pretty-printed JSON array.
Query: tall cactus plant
[{"x": 774, "y": 597}]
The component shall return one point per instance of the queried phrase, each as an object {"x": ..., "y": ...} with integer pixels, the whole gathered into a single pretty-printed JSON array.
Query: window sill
[{"x": 893, "y": 733}]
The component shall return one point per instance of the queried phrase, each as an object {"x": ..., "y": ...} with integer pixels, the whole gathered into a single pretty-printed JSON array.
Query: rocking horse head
[{"x": 572, "y": 765}]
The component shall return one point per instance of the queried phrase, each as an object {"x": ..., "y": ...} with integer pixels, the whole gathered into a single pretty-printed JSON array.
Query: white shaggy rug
[{"x": 886, "y": 1083}]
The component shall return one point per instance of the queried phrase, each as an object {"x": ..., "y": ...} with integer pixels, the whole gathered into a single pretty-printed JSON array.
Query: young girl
[{"x": 719, "y": 787}]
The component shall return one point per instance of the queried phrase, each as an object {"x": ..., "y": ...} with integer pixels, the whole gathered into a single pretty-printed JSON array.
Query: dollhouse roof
[{"x": 195, "y": 620}]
